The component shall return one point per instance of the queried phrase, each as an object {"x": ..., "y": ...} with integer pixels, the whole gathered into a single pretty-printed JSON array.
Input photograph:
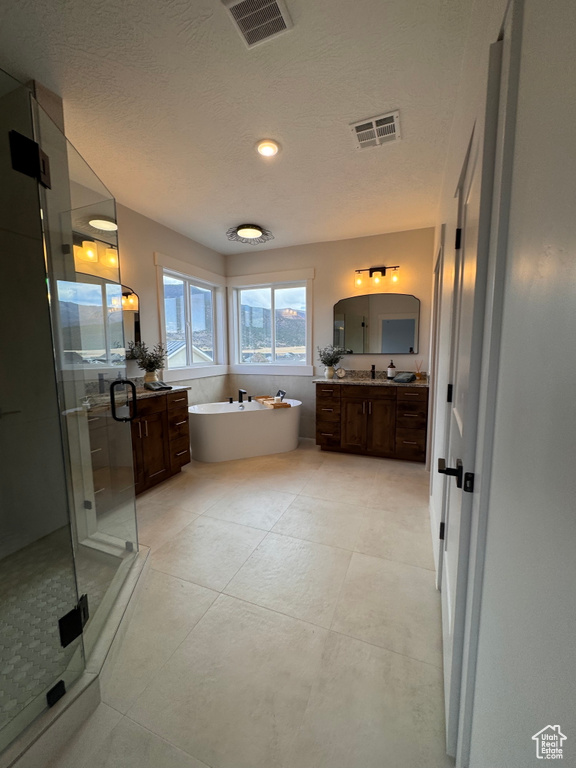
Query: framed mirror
[{"x": 378, "y": 324}]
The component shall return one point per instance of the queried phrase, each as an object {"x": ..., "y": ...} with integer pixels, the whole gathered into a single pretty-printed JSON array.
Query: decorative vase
[
  {"x": 329, "y": 372},
  {"x": 150, "y": 376}
]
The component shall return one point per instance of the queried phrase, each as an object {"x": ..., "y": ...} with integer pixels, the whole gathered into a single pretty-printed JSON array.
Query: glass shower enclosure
[{"x": 68, "y": 533}]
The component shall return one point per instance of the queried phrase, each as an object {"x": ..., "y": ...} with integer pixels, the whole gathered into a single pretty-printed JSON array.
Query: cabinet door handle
[
  {"x": 140, "y": 430},
  {"x": 328, "y": 391},
  {"x": 99, "y": 491},
  {"x": 409, "y": 442},
  {"x": 95, "y": 450},
  {"x": 328, "y": 409},
  {"x": 411, "y": 415},
  {"x": 411, "y": 394},
  {"x": 179, "y": 423},
  {"x": 363, "y": 407},
  {"x": 369, "y": 407},
  {"x": 146, "y": 428},
  {"x": 181, "y": 453},
  {"x": 179, "y": 400}
]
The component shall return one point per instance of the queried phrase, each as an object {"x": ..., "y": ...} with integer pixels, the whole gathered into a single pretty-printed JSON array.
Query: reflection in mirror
[
  {"x": 378, "y": 323},
  {"x": 131, "y": 315}
]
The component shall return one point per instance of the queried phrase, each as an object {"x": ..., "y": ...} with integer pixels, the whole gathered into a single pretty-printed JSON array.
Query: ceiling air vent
[
  {"x": 259, "y": 20},
  {"x": 376, "y": 130}
]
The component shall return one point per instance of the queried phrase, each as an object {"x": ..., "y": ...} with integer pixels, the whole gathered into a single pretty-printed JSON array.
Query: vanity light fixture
[
  {"x": 104, "y": 223},
  {"x": 89, "y": 251},
  {"x": 268, "y": 148},
  {"x": 129, "y": 300},
  {"x": 111, "y": 257},
  {"x": 376, "y": 274},
  {"x": 252, "y": 234}
]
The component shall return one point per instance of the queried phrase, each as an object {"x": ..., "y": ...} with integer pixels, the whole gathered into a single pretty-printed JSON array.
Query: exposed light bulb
[
  {"x": 376, "y": 280},
  {"x": 394, "y": 278},
  {"x": 111, "y": 257},
  {"x": 358, "y": 281}
]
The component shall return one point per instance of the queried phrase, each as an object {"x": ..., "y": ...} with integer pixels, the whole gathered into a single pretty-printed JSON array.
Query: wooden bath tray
[{"x": 269, "y": 402}]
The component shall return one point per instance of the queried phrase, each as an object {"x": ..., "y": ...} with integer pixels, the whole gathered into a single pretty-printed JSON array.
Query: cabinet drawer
[
  {"x": 178, "y": 425},
  {"x": 328, "y": 411},
  {"x": 411, "y": 415},
  {"x": 413, "y": 394},
  {"x": 369, "y": 392},
  {"x": 328, "y": 434},
  {"x": 411, "y": 444},
  {"x": 148, "y": 405},
  {"x": 177, "y": 399},
  {"x": 330, "y": 392},
  {"x": 179, "y": 453}
]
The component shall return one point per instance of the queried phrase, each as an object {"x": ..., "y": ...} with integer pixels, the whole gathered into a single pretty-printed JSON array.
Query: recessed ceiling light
[
  {"x": 268, "y": 148},
  {"x": 249, "y": 233},
  {"x": 107, "y": 225}
]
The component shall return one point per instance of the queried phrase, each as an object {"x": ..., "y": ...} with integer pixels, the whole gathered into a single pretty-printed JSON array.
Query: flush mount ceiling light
[
  {"x": 375, "y": 274},
  {"x": 104, "y": 223},
  {"x": 252, "y": 234},
  {"x": 268, "y": 148}
]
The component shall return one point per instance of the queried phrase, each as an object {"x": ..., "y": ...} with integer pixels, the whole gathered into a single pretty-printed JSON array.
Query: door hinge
[
  {"x": 449, "y": 393},
  {"x": 28, "y": 158},
  {"x": 469, "y": 482},
  {"x": 55, "y": 693},
  {"x": 441, "y": 534},
  {"x": 72, "y": 624},
  {"x": 458, "y": 242}
]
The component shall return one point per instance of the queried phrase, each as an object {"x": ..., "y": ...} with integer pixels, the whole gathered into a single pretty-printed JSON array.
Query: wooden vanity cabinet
[
  {"x": 160, "y": 438},
  {"x": 387, "y": 421}
]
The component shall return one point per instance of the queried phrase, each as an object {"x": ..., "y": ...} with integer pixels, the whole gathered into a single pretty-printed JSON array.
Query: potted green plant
[
  {"x": 150, "y": 361},
  {"x": 330, "y": 356}
]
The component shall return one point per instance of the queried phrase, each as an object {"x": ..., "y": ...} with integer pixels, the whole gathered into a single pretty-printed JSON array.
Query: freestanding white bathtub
[{"x": 224, "y": 431}]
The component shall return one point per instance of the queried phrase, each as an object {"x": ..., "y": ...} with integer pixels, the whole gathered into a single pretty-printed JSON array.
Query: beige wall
[
  {"x": 139, "y": 238},
  {"x": 334, "y": 264}
]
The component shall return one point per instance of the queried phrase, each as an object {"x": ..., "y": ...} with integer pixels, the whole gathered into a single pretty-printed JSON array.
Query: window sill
[
  {"x": 196, "y": 372},
  {"x": 272, "y": 369}
]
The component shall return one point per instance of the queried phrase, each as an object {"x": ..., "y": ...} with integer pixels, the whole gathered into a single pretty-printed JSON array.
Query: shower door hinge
[
  {"x": 449, "y": 393},
  {"x": 458, "y": 242},
  {"x": 55, "y": 693},
  {"x": 28, "y": 158},
  {"x": 72, "y": 624},
  {"x": 441, "y": 534}
]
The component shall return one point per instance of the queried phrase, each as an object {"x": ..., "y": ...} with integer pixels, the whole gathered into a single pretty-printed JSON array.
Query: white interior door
[
  {"x": 462, "y": 438},
  {"x": 475, "y": 196}
]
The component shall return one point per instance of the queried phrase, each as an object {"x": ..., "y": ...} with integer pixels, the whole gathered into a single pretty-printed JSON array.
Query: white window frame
[
  {"x": 295, "y": 278},
  {"x": 166, "y": 265}
]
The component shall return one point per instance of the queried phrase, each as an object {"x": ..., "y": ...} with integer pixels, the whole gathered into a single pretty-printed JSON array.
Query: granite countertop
[
  {"x": 372, "y": 382},
  {"x": 101, "y": 402}
]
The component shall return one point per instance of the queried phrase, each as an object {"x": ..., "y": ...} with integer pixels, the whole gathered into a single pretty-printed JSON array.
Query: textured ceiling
[{"x": 166, "y": 103}]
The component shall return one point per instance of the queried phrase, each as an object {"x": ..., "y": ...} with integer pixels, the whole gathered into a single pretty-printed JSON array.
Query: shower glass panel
[
  {"x": 37, "y": 576},
  {"x": 78, "y": 217}
]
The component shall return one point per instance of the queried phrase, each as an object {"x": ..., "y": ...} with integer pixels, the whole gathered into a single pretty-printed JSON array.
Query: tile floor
[{"x": 289, "y": 620}]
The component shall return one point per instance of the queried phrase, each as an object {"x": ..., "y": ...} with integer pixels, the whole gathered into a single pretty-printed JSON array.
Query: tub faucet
[{"x": 241, "y": 392}]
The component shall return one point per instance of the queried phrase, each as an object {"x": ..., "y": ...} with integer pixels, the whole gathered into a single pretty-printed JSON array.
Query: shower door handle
[{"x": 113, "y": 401}]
